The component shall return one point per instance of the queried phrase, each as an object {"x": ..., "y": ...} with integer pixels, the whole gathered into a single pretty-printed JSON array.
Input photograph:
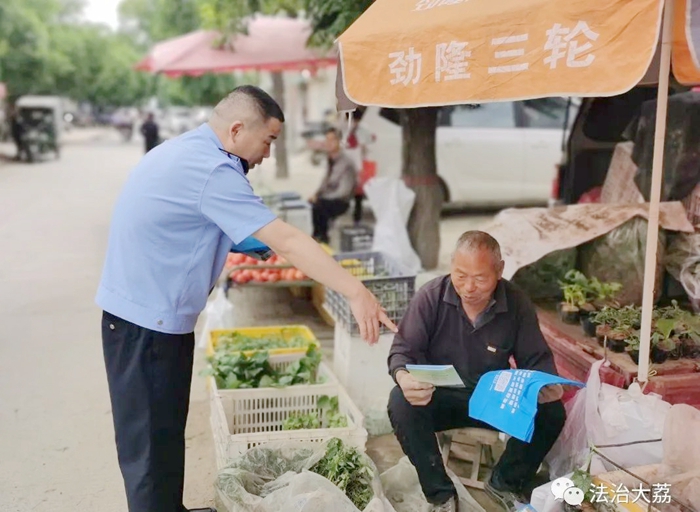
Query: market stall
[
  {"x": 567, "y": 49},
  {"x": 409, "y": 54}
]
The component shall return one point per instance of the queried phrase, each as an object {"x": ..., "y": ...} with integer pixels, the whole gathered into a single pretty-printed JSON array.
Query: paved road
[{"x": 56, "y": 437}]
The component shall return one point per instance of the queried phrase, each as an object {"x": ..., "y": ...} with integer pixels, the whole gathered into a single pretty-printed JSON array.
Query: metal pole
[{"x": 655, "y": 195}]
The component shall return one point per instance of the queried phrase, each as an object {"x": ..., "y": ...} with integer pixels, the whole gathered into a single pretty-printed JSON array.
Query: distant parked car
[
  {"x": 178, "y": 120},
  {"x": 491, "y": 154}
]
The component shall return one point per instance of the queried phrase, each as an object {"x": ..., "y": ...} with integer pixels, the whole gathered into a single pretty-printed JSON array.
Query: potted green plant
[
  {"x": 605, "y": 320},
  {"x": 604, "y": 293},
  {"x": 574, "y": 296},
  {"x": 617, "y": 338},
  {"x": 684, "y": 333},
  {"x": 633, "y": 346},
  {"x": 687, "y": 328},
  {"x": 662, "y": 343}
]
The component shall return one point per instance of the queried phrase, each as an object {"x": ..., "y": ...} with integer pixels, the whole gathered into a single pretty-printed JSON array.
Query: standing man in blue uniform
[{"x": 181, "y": 210}]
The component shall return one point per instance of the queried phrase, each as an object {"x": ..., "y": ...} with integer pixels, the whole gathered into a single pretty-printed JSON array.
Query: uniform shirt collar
[{"x": 209, "y": 133}]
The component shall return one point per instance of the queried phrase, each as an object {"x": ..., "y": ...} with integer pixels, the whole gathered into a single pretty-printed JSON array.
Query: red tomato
[
  {"x": 299, "y": 275},
  {"x": 273, "y": 278}
]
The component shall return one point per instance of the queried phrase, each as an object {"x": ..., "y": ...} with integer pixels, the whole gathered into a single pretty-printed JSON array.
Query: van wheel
[{"x": 444, "y": 191}]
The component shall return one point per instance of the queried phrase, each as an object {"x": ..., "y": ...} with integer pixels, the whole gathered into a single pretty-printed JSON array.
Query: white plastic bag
[
  {"x": 392, "y": 201},
  {"x": 219, "y": 314},
  {"x": 275, "y": 477},
  {"x": 403, "y": 491},
  {"x": 602, "y": 414}
]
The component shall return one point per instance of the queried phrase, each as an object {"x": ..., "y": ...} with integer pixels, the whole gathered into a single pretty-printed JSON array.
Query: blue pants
[{"x": 149, "y": 375}]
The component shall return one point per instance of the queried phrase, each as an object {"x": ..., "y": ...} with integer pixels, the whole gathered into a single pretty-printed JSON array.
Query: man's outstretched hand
[{"x": 369, "y": 315}]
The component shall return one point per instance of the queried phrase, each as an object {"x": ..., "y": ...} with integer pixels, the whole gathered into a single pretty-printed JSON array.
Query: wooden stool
[{"x": 473, "y": 445}]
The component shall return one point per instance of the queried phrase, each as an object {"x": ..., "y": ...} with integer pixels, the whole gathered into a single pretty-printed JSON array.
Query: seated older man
[{"x": 475, "y": 320}]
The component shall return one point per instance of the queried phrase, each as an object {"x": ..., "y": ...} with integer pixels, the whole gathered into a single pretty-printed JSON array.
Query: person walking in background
[
  {"x": 149, "y": 130},
  {"x": 337, "y": 189}
]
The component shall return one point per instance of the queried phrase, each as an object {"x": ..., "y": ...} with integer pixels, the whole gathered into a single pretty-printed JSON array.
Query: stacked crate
[
  {"x": 362, "y": 369},
  {"x": 244, "y": 418}
]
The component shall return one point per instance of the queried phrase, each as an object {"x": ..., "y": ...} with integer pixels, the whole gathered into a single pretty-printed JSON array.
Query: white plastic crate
[
  {"x": 298, "y": 214},
  {"x": 244, "y": 418}
]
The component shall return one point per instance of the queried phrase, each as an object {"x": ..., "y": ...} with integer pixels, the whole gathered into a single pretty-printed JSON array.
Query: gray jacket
[{"x": 340, "y": 180}]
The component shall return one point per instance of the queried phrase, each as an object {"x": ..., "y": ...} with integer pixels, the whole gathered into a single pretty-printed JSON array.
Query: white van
[{"x": 491, "y": 154}]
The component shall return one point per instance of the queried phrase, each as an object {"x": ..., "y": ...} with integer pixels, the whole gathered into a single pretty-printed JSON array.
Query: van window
[
  {"x": 545, "y": 113},
  {"x": 484, "y": 115},
  {"x": 608, "y": 118}
]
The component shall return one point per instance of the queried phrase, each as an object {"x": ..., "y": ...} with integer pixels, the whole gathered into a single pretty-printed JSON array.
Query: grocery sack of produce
[
  {"x": 683, "y": 263},
  {"x": 298, "y": 476},
  {"x": 618, "y": 257},
  {"x": 540, "y": 280}
]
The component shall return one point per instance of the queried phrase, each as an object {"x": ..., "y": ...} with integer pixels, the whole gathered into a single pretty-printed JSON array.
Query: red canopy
[{"x": 272, "y": 44}]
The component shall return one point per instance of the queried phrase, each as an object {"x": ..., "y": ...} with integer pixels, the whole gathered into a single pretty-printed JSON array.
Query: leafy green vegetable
[
  {"x": 344, "y": 466},
  {"x": 236, "y": 341},
  {"x": 584, "y": 481},
  {"x": 330, "y": 416},
  {"x": 238, "y": 371}
]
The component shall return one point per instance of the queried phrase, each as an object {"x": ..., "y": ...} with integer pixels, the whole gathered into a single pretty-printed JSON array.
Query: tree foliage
[
  {"x": 330, "y": 18},
  {"x": 46, "y": 49}
]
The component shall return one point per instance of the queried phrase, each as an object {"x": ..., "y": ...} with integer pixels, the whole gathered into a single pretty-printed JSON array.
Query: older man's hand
[
  {"x": 416, "y": 393},
  {"x": 550, "y": 394}
]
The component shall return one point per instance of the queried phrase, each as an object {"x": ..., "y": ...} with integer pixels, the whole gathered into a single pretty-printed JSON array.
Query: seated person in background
[
  {"x": 337, "y": 189},
  {"x": 475, "y": 320}
]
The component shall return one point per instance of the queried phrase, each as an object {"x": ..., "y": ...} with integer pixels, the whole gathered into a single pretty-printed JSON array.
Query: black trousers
[
  {"x": 415, "y": 428},
  {"x": 357, "y": 211},
  {"x": 149, "y": 375},
  {"x": 322, "y": 212}
]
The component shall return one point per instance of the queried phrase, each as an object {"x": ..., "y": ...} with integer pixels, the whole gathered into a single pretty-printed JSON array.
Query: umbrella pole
[{"x": 650, "y": 262}]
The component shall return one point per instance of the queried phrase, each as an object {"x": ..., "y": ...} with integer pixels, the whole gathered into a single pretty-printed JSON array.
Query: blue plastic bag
[{"x": 507, "y": 400}]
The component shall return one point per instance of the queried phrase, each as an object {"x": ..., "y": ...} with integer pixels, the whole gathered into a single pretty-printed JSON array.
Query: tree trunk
[
  {"x": 419, "y": 171},
  {"x": 281, "y": 142}
]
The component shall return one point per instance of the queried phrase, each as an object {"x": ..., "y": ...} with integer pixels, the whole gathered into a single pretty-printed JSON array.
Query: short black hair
[{"x": 266, "y": 104}]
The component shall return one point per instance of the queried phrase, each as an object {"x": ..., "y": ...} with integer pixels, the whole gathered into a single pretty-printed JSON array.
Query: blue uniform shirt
[{"x": 179, "y": 213}]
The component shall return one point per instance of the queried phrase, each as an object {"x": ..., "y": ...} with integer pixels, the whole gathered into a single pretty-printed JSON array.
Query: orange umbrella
[
  {"x": 417, "y": 53},
  {"x": 414, "y": 53}
]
